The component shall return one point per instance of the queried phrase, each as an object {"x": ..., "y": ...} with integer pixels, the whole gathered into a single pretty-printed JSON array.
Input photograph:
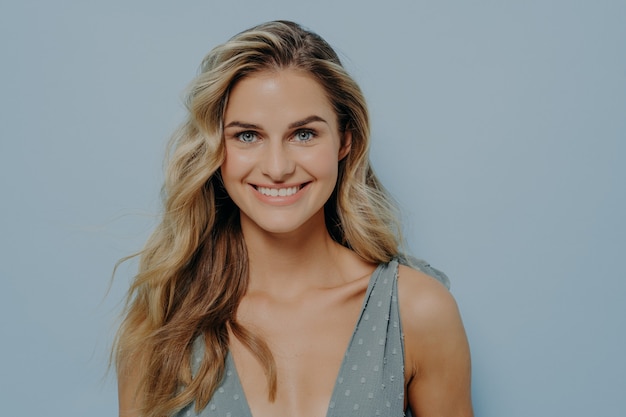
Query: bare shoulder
[
  {"x": 429, "y": 313},
  {"x": 425, "y": 298},
  {"x": 437, "y": 358}
]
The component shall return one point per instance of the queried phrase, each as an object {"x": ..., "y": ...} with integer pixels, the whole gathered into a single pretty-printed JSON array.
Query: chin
[
  {"x": 282, "y": 226},
  {"x": 279, "y": 229}
]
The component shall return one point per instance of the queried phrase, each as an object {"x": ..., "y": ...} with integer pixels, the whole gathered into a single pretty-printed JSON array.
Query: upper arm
[
  {"x": 437, "y": 357},
  {"x": 127, "y": 384}
]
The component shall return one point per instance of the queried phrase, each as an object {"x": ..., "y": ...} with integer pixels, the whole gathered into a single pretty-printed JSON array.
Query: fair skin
[{"x": 305, "y": 292}]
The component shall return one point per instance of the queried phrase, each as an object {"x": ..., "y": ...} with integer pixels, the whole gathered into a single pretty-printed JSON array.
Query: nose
[{"x": 277, "y": 162}]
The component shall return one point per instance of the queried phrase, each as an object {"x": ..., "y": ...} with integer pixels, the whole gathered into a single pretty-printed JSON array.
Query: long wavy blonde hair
[{"x": 193, "y": 271}]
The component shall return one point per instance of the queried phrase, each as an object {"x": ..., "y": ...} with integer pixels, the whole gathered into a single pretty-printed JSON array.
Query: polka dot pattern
[{"x": 371, "y": 377}]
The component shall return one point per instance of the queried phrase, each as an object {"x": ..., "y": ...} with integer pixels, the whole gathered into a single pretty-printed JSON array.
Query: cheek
[
  {"x": 235, "y": 165},
  {"x": 323, "y": 164}
]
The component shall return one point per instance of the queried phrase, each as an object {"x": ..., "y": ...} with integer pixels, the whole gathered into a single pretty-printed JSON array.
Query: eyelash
[{"x": 310, "y": 135}]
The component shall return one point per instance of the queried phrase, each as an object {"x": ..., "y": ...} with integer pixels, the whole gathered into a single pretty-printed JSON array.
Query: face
[{"x": 283, "y": 147}]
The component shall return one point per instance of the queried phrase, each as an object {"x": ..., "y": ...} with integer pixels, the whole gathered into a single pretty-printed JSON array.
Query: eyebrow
[
  {"x": 293, "y": 125},
  {"x": 306, "y": 121}
]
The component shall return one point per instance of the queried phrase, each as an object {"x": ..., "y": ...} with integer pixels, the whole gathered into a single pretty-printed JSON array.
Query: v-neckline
[{"x": 235, "y": 374}]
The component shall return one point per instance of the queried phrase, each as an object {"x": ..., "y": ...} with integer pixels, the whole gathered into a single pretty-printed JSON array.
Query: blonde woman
[{"x": 275, "y": 284}]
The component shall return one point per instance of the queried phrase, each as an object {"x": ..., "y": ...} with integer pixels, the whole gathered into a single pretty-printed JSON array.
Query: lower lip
[{"x": 281, "y": 200}]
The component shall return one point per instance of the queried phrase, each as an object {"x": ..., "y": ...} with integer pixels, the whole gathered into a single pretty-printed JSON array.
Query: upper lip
[{"x": 279, "y": 186}]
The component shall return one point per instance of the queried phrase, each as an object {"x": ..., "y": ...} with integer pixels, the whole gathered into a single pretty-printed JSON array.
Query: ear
[{"x": 346, "y": 144}]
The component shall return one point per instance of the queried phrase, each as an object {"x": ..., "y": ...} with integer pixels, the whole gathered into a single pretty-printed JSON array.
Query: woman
[{"x": 272, "y": 285}]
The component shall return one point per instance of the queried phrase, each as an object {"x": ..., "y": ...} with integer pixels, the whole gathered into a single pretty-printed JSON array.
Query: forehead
[{"x": 280, "y": 96}]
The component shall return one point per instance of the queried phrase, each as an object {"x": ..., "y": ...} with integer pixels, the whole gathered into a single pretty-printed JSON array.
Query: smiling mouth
[{"x": 279, "y": 191}]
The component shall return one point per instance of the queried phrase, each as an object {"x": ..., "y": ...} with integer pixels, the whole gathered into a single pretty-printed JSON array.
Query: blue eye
[
  {"x": 247, "y": 137},
  {"x": 304, "y": 135}
]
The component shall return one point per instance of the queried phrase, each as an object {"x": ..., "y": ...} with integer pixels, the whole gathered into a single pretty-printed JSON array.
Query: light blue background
[{"x": 499, "y": 126}]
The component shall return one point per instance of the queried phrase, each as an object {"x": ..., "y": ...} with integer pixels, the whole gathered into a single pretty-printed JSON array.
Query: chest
[
  {"x": 308, "y": 339},
  {"x": 342, "y": 363}
]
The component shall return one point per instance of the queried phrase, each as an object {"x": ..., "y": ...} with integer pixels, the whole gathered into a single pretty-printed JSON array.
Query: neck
[{"x": 292, "y": 262}]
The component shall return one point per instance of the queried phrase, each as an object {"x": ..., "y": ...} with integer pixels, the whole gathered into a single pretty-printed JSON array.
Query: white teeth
[{"x": 275, "y": 192}]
